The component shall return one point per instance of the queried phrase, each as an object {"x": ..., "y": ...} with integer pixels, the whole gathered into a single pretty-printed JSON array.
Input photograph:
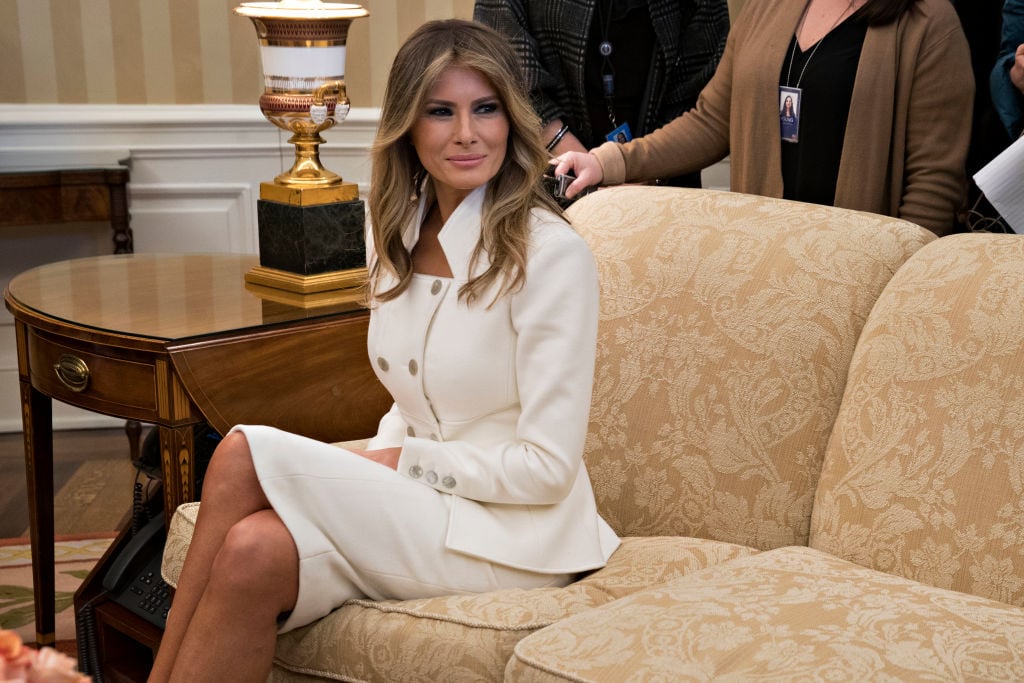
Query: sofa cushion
[
  {"x": 924, "y": 476},
  {"x": 727, "y": 325},
  {"x": 470, "y": 637},
  {"x": 783, "y": 615},
  {"x": 468, "y": 634}
]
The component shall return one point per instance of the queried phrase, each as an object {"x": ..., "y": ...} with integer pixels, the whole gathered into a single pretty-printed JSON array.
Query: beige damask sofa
[{"x": 808, "y": 427}]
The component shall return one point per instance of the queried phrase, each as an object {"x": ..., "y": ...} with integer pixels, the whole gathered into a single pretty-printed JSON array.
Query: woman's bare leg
[
  {"x": 254, "y": 578},
  {"x": 231, "y": 492}
]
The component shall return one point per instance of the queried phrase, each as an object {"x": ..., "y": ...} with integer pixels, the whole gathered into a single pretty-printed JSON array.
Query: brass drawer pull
[{"x": 72, "y": 372}]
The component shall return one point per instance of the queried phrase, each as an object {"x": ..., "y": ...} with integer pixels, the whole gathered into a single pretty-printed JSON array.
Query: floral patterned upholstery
[
  {"x": 462, "y": 636},
  {"x": 924, "y": 476},
  {"x": 916, "y": 564},
  {"x": 179, "y": 535},
  {"x": 727, "y": 327},
  {"x": 471, "y": 637},
  {"x": 792, "y": 614}
]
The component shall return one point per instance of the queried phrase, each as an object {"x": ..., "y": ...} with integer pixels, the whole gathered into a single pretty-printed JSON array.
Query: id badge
[
  {"x": 789, "y": 113},
  {"x": 620, "y": 134}
]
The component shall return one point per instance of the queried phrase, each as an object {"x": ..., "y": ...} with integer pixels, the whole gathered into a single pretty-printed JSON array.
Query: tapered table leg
[
  {"x": 177, "y": 462},
  {"x": 37, "y": 421},
  {"x": 124, "y": 242}
]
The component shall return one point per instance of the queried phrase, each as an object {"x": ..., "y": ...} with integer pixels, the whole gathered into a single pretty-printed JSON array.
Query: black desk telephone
[{"x": 133, "y": 579}]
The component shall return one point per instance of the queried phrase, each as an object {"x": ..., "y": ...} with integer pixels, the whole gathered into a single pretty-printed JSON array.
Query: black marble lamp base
[{"x": 310, "y": 240}]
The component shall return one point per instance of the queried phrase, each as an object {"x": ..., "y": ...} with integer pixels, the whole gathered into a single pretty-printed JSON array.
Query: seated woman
[{"x": 483, "y": 328}]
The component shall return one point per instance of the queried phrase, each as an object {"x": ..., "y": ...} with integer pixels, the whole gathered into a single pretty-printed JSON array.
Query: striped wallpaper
[{"x": 177, "y": 51}]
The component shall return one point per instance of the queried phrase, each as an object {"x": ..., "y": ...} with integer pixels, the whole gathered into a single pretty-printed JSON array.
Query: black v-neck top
[
  {"x": 810, "y": 166},
  {"x": 627, "y": 26}
]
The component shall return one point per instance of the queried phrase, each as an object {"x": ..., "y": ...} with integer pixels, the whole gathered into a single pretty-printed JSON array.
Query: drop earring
[{"x": 417, "y": 183}]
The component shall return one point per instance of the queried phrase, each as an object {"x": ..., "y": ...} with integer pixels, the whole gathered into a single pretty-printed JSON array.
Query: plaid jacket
[{"x": 551, "y": 36}]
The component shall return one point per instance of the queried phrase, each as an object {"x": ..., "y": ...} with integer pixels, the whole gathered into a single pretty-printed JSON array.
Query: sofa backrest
[
  {"x": 924, "y": 475},
  {"x": 727, "y": 326}
]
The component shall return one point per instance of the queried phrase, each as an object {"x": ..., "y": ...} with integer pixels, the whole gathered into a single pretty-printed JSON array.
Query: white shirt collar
[{"x": 459, "y": 235}]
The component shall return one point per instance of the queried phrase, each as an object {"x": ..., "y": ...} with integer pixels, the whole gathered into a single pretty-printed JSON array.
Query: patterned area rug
[{"x": 75, "y": 557}]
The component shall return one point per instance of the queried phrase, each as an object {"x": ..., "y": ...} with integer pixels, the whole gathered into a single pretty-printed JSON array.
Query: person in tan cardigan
[{"x": 884, "y": 92}]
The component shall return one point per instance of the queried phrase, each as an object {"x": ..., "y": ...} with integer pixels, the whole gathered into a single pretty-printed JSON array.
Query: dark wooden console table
[
  {"x": 174, "y": 340},
  {"x": 65, "y": 195}
]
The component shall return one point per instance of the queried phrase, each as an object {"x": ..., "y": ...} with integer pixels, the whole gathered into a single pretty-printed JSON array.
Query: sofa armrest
[{"x": 179, "y": 536}]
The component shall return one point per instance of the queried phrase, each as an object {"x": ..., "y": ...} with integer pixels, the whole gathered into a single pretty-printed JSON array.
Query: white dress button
[
  {"x": 413, "y": 367},
  {"x": 382, "y": 363},
  {"x": 436, "y": 287},
  {"x": 448, "y": 482},
  {"x": 416, "y": 472},
  {"x": 431, "y": 477},
  {"x": 410, "y": 431}
]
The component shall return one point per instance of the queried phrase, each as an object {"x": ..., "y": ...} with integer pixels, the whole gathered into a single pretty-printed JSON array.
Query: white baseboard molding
[{"x": 67, "y": 423}]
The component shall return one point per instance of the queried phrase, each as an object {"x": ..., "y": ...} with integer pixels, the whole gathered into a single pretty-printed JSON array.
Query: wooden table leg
[
  {"x": 133, "y": 430},
  {"x": 177, "y": 462},
  {"x": 37, "y": 422},
  {"x": 124, "y": 242}
]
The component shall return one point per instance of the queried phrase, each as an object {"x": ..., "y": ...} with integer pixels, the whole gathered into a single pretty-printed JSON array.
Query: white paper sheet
[{"x": 1002, "y": 181}]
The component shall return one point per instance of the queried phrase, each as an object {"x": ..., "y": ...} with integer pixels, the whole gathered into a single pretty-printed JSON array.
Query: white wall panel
[{"x": 196, "y": 218}]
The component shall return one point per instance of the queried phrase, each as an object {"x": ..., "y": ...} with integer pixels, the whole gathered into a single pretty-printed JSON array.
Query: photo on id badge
[
  {"x": 789, "y": 113},
  {"x": 620, "y": 134}
]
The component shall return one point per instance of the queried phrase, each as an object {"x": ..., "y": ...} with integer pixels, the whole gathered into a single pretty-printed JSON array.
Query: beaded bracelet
[{"x": 558, "y": 137}]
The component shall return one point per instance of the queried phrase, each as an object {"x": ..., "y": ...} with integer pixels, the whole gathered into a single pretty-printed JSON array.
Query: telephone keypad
[
  {"x": 133, "y": 578},
  {"x": 153, "y": 597}
]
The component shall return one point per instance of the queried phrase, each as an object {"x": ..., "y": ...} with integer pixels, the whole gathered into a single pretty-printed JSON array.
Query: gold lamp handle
[
  {"x": 72, "y": 372},
  {"x": 318, "y": 109}
]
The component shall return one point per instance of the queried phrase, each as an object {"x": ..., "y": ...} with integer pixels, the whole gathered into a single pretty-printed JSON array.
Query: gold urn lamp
[{"x": 311, "y": 221}]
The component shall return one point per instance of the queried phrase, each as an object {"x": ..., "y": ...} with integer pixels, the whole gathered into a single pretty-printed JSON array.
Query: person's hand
[
  {"x": 1017, "y": 70},
  {"x": 586, "y": 167},
  {"x": 384, "y": 456}
]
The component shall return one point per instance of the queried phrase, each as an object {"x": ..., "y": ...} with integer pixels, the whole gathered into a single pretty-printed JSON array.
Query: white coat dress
[{"x": 491, "y": 407}]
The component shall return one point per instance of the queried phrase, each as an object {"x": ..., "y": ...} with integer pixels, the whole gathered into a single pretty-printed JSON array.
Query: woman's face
[{"x": 461, "y": 135}]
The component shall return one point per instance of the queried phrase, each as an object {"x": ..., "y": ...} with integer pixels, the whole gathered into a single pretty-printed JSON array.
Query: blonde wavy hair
[{"x": 397, "y": 173}]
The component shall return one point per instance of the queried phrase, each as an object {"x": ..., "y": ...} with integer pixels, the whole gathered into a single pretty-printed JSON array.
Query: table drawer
[{"x": 106, "y": 382}]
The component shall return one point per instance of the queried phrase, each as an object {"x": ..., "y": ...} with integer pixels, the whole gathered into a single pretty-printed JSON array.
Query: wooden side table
[
  {"x": 175, "y": 340},
  {"x": 65, "y": 195}
]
